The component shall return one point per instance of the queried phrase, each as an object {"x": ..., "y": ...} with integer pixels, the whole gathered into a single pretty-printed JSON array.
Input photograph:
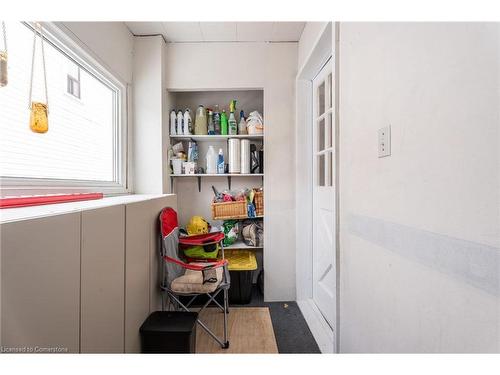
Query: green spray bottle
[
  {"x": 223, "y": 123},
  {"x": 233, "y": 125}
]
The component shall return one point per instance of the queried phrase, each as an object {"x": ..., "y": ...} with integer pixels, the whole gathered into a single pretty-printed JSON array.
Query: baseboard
[{"x": 320, "y": 329}]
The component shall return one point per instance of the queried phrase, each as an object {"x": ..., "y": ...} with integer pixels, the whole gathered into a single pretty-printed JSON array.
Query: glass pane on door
[
  {"x": 321, "y": 170},
  {"x": 321, "y": 98},
  {"x": 330, "y": 91},
  {"x": 329, "y": 133},
  {"x": 321, "y": 134},
  {"x": 329, "y": 166}
]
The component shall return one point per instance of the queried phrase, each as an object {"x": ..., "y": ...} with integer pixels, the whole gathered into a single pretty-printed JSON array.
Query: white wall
[
  {"x": 310, "y": 35},
  {"x": 149, "y": 116},
  {"x": 271, "y": 66},
  {"x": 110, "y": 42},
  {"x": 420, "y": 257}
]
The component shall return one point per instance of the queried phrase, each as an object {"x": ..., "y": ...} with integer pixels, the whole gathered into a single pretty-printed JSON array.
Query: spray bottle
[{"x": 233, "y": 126}]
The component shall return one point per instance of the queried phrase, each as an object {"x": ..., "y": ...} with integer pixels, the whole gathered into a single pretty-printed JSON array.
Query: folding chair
[{"x": 183, "y": 278}]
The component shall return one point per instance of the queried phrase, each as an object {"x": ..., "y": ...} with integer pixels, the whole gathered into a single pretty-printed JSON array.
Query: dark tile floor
[{"x": 290, "y": 328}]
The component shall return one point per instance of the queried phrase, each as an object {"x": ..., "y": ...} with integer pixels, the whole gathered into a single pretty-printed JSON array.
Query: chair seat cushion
[{"x": 192, "y": 282}]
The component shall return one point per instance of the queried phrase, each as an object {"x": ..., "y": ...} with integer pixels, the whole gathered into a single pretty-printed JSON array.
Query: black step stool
[{"x": 169, "y": 332}]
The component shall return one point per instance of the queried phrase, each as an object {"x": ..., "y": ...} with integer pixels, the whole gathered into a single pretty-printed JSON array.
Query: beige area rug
[{"x": 250, "y": 330}]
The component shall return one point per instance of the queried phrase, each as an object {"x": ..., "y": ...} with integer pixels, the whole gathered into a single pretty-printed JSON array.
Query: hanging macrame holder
[
  {"x": 39, "y": 117},
  {"x": 4, "y": 78}
]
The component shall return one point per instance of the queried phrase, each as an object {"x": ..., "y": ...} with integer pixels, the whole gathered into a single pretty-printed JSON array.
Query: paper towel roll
[
  {"x": 245, "y": 156},
  {"x": 234, "y": 155}
]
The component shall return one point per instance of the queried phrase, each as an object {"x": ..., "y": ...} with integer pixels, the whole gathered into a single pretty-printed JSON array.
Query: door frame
[{"x": 325, "y": 51}]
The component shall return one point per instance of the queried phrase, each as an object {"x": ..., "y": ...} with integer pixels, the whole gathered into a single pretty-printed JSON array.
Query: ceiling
[{"x": 220, "y": 31}]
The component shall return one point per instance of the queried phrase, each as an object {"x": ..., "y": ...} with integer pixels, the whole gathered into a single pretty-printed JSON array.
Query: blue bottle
[{"x": 220, "y": 162}]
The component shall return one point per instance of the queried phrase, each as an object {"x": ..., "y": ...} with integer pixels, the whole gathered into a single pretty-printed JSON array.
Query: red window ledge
[{"x": 47, "y": 199}]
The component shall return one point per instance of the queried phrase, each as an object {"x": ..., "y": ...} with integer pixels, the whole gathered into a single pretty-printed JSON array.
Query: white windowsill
[{"x": 25, "y": 213}]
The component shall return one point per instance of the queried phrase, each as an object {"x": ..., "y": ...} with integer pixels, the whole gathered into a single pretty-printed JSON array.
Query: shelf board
[
  {"x": 219, "y": 175},
  {"x": 244, "y": 218},
  {"x": 241, "y": 245},
  {"x": 208, "y": 138}
]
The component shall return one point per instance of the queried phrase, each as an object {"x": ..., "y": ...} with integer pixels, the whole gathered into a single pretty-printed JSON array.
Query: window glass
[
  {"x": 80, "y": 142},
  {"x": 321, "y": 170},
  {"x": 321, "y": 99}
]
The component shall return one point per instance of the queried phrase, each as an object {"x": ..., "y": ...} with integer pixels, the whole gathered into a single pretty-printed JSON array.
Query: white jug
[{"x": 211, "y": 159}]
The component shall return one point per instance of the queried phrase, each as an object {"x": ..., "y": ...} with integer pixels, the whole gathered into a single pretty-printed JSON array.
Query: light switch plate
[{"x": 384, "y": 142}]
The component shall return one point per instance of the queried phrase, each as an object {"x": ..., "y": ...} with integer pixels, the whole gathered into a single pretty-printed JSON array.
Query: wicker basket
[
  {"x": 259, "y": 203},
  {"x": 229, "y": 210}
]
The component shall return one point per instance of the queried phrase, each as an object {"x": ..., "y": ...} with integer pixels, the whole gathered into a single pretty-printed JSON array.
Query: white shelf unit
[{"x": 194, "y": 193}]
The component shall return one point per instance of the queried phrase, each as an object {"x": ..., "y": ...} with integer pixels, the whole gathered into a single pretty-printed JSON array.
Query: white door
[{"x": 324, "y": 231}]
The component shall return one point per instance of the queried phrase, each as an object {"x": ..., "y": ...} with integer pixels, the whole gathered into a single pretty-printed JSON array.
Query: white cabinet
[
  {"x": 81, "y": 282},
  {"x": 40, "y": 283},
  {"x": 102, "y": 280},
  {"x": 137, "y": 250}
]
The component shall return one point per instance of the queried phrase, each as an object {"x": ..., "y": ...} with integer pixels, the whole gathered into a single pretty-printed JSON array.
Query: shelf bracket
[
  {"x": 229, "y": 182},
  {"x": 199, "y": 184}
]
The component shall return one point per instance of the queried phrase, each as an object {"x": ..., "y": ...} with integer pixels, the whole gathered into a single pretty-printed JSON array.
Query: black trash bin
[{"x": 169, "y": 332}]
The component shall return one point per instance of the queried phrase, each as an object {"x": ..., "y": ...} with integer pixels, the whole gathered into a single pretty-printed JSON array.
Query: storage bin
[
  {"x": 259, "y": 203},
  {"x": 229, "y": 210},
  {"x": 169, "y": 332},
  {"x": 241, "y": 265}
]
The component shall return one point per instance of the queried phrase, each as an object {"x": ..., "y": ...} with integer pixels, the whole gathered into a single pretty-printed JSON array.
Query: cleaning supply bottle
[
  {"x": 180, "y": 122},
  {"x": 223, "y": 123},
  {"x": 210, "y": 126},
  {"x": 217, "y": 120},
  {"x": 200, "y": 122},
  {"x": 242, "y": 126},
  {"x": 220, "y": 162},
  {"x": 173, "y": 123},
  {"x": 188, "y": 125},
  {"x": 211, "y": 159},
  {"x": 233, "y": 126}
]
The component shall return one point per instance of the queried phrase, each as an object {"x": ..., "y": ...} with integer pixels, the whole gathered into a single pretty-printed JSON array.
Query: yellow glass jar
[
  {"x": 39, "y": 119},
  {"x": 3, "y": 69}
]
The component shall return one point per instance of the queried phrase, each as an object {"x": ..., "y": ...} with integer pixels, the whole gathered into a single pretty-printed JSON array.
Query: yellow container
[
  {"x": 240, "y": 260},
  {"x": 39, "y": 121}
]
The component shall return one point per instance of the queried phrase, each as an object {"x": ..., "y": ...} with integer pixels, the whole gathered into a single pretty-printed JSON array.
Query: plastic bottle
[
  {"x": 220, "y": 162},
  {"x": 233, "y": 125},
  {"x": 242, "y": 126},
  {"x": 180, "y": 122},
  {"x": 210, "y": 126},
  {"x": 217, "y": 120},
  {"x": 173, "y": 123},
  {"x": 188, "y": 125},
  {"x": 223, "y": 123},
  {"x": 200, "y": 122},
  {"x": 211, "y": 159}
]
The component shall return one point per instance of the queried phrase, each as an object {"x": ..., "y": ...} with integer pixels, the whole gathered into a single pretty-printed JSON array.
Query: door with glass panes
[{"x": 324, "y": 231}]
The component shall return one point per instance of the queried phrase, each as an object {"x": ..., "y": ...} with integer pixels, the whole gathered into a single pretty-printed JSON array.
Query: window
[
  {"x": 84, "y": 147},
  {"x": 73, "y": 87}
]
